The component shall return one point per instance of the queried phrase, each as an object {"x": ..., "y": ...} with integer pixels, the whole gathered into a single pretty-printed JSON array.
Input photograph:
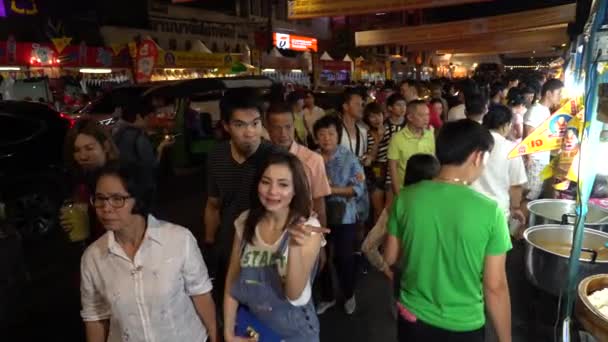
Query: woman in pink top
[
  {"x": 517, "y": 103},
  {"x": 436, "y": 108}
]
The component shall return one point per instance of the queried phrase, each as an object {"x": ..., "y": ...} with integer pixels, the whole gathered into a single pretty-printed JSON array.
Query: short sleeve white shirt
[
  {"x": 147, "y": 299},
  {"x": 457, "y": 113},
  {"x": 534, "y": 117},
  {"x": 501, "y": 173}
]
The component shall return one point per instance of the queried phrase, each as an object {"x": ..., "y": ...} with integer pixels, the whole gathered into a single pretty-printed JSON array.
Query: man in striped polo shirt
[{"x": 232, "y": 166}]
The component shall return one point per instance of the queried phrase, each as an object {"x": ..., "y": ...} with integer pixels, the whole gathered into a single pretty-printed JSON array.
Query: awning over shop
[
  {"x": 536, "y": 20},
  {"x": 301, "y": 9}
]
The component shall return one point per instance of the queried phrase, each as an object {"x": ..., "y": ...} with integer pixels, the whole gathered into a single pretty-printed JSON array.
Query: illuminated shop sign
[{"x": 296, "y": 43}]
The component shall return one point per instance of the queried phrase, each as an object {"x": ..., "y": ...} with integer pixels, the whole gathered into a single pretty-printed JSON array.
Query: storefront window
[
  {"x": 172, "y": 44},
  {"x": 188, "y": 45}
]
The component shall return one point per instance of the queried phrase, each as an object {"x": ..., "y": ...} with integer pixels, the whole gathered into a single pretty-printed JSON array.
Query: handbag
[
  {"x": 248, "y": 326},
  {"x": 335, "y": 211}
]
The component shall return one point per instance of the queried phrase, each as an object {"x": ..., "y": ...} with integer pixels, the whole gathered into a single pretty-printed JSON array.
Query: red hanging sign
[{"x": 146, "y": 58}]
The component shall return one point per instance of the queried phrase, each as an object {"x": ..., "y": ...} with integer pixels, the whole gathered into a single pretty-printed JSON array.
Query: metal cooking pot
[
  {"x": 558, "y": 211},
  {"x": 548, "y": 269}
]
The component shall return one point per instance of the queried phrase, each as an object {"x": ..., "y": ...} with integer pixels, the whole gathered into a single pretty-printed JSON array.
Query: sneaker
[
  {"x": 324, "y": 306},
  {"x": 350, "y": 305}
]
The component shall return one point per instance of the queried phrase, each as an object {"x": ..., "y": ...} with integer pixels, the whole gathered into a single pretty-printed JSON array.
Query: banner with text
[
  {"x": 549, "y": 135},
  {"x": 183, "y": 59}
]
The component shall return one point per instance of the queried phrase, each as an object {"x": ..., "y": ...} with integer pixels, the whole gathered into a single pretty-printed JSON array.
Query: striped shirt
[
  {"x": 232, "y": 184},
  {"x": 389, "y": 131}
]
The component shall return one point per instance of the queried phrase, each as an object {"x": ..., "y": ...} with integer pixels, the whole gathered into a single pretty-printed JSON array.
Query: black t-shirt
[{"x": 232, "y": 184}]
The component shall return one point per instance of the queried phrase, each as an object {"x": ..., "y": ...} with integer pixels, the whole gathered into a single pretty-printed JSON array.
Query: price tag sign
[{"x": 548, "y": 136}]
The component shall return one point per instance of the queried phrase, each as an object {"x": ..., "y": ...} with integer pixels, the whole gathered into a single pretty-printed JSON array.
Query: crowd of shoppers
[{"x": 292, "y": 192}]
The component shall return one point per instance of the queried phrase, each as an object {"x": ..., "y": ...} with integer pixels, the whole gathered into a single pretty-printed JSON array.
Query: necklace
[{"x": 453, "y": 180}]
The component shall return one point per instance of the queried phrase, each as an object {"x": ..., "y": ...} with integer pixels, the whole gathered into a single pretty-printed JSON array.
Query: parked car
[
  {"x": 31, "y": 167},
  {"x": 33, "y": 248}
]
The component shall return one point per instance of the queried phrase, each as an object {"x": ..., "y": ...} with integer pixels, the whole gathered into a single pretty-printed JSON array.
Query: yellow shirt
[
  {"x": 405, "y": 144},
  {"x": 300, "y": 126}
]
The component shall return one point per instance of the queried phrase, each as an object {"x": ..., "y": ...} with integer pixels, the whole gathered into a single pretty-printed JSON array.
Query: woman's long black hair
[{"x": 300, "y": 206}]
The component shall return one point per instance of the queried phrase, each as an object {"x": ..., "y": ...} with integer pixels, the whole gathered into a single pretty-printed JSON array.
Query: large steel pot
[
  {"x": 548, "y": 251},
  {"x": 558, "y": 211}
]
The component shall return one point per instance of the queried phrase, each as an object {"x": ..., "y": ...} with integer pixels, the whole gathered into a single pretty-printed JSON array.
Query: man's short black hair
[
  {"x": 132, "y": 109},
  {"x": 411, "y": 106},
  {"x": 497, "y": 87},
  {"x": 459, "y": 139},
  {"x": 498, "y": 116},
  {"x": 294, "y": 97},
  {"x": 326, "y": 122},
  {"x": 239, "y": 98},
  {"x": 475, "y": 105},
  {"x": 551, "y": 85},
  {"x": 394, "y": 98},
  {"x": 516, "y": 97},
  {"x": 278, "y": 108},
  {"x": 512, "y": 78},
  {"x": 528, "y": 90},
  {"x": 348, "y": 94},
  {"x": 468, "y": 87}
]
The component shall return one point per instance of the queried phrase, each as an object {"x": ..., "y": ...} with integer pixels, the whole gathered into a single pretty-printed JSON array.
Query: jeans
[
  {"x": 341, "y": 241},
  {"x": 420, "y": 331}
]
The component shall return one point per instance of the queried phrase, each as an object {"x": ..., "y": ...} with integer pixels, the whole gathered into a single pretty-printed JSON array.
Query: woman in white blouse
[{"x": 144, "y": 279}]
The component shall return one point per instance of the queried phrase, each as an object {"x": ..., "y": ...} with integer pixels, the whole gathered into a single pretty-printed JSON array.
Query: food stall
[
  {"x": 369, "y": 70},
  {"x": 567, "y": 243},
  {"x": 286, "y": 70},
  {"x": 48, "y": 71},
  {"x": 184, "y": 65},
  {"x": 335, "y": 72}
]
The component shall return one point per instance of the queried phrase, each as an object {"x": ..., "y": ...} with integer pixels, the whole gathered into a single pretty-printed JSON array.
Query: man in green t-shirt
[{"x": 454, "y": 243}]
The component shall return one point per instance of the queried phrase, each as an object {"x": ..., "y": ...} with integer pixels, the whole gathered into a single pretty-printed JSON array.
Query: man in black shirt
[{"x": 232, "y": 166}]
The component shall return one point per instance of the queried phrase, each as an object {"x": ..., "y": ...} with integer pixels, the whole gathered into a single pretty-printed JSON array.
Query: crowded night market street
[{"x": 304, "y": 171}]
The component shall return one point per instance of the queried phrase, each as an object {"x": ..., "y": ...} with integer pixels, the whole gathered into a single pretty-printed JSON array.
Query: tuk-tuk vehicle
[
  {"x": 196, "y": 113},
  {"x": 104, "y": 109}
]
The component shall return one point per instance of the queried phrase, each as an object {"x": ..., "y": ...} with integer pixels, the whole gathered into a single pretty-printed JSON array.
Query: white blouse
[{"x": 147, "y": 299}]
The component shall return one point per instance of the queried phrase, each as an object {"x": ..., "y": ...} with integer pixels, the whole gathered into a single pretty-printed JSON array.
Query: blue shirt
[{"x": 342, "y": 170}]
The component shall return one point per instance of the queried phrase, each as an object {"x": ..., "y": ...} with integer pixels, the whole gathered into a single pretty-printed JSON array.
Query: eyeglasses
[{"x": 116, "y": 201}]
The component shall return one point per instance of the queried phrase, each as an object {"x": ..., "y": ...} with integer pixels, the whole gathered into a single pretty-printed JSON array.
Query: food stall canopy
[
  {"x": 325, "y": 57},
  {"x": 275, "y": 53},
  {"x": 546, "y": 18},
  {"x": 199, "y": 46},
  {"x": 302, "y": 9}
]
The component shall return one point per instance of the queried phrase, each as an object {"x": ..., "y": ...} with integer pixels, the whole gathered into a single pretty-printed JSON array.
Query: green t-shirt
[{"x": 446, "y": 231}]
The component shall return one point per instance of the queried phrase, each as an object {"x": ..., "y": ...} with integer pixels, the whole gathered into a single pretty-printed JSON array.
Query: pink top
[{"x": 314, "y": 166}]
